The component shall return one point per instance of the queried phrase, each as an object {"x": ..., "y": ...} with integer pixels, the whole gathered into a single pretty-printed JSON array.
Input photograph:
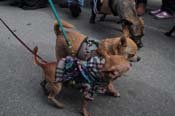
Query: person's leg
[
  {"x": 66, "y": 4},
  {"x": 75, "y": 7},
  {"x": 94, "y": 5},
  {"x": 69, "y": 2},
  {"x": 81, "y": 3},
  {"x": 154, "y": 12},
  {"x": 15, "y": 3},
  {"x": 168, "y": 7}
]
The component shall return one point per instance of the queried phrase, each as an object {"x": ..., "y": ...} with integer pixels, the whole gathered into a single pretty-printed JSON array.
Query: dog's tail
[
  {"x": 64, "y": 23},
  {"x": 36, "y": 60}
]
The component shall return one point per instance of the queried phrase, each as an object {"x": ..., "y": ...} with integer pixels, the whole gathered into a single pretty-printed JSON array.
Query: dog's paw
[
  {"x": 91, "y": 21},
  {"x": 55, "y": 102},
  {"x": 114, "y": 94}
]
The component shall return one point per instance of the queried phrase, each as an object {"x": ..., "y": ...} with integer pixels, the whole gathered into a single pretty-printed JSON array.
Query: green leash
[{"x": 61, "y": 26}]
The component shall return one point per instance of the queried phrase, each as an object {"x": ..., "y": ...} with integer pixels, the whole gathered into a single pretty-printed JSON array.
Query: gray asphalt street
[{"x": 147, "y": 90}]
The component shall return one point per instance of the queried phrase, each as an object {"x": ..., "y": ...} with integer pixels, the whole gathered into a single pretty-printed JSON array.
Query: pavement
[{"x": 146, "y": 90}]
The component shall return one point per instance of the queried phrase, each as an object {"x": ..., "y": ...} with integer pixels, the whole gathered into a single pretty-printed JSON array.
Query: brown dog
[
  {"x": 113, "y": 67},
  {"x": 116, "y": 46}
]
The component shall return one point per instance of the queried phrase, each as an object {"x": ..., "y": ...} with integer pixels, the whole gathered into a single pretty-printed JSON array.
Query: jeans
[
  {"x": 168, "y": 6},
  {"x": 80, "y": 2}
]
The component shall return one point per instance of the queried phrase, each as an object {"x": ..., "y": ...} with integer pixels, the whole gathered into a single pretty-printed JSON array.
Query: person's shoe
[
  {"x": 64, "y": 5},
  {"x": 168, "y": 34},
  {"x": 14, "y": 4},
  {"x": 75, "y": 9},
  {"x": 163, "y": 15},
  {"x": 154, "y": 12}
]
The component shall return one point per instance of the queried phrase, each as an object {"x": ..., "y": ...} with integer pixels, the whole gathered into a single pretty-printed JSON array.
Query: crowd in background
[{"x": 166, "y": 10}]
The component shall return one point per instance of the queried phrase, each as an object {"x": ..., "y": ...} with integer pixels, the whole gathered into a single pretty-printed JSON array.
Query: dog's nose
[{"x": 138, "y": 59}]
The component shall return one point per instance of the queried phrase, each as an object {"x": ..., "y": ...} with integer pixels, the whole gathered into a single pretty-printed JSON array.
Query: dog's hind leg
[
  {"x": 112, "y": 91},
  {"x": 56, "y": 88},
  {"x": 43, "y": 85}
]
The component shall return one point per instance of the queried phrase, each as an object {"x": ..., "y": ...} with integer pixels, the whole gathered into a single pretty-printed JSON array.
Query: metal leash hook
[{"x": 61, "y": 26}]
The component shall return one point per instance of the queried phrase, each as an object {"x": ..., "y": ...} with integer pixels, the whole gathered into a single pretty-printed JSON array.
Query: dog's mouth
[
  {"x": 137, "y": 40},
  {"x": 118, "y": 72},
  {"x": 135, "y": 59}
]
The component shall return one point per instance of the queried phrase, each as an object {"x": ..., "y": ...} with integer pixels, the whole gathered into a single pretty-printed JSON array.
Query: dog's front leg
[
  {"x": 84, "y": 107},
  {"x": 112, "y": 91},
  {"x": 103, "y": 17}
]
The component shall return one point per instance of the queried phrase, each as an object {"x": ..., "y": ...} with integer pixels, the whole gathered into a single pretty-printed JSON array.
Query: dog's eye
[{"x": 131, "y": 55}]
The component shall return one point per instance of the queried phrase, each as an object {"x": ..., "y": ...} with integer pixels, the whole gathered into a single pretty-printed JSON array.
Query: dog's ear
[
  {"x": 141, "y": 20},
  {"x": 123, "y": 42}
]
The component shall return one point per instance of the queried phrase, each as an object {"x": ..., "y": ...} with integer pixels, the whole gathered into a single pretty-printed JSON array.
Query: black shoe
[
  {"x": 14, "y": 4},
  {"x": 64, "y": 5},
  {"x": 75, "y": 9}
]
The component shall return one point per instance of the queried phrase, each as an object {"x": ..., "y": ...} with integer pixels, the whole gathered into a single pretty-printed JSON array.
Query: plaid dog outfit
[{"x": 85, "y": 75}]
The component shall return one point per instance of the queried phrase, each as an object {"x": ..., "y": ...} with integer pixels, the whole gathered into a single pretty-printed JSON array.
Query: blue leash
[{"x": 59, "y": 22}]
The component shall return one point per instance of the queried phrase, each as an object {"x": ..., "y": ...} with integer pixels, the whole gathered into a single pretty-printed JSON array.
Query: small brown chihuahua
[{"x": 111, "y": 67}]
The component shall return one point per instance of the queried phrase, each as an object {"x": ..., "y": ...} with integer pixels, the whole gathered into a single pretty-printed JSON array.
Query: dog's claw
[{"x": 114, "y": 94}]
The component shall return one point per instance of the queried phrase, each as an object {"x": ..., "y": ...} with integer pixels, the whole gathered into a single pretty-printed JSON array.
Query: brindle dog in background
[{"x": 126, "y": 10}]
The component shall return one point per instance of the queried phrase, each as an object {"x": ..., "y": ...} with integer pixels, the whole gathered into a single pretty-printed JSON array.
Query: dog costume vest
[
  {"x": 87, "y": 48},
  {"x": 85, "y": 75}
]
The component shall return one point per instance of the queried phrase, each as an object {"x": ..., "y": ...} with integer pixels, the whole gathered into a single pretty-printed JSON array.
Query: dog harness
[
  {"x": 87, "y": 48},
  {"x": 84, "y": 75}
]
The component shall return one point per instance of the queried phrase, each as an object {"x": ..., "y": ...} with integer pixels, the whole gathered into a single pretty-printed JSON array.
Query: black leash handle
[{"x": 30, "y": 50}]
